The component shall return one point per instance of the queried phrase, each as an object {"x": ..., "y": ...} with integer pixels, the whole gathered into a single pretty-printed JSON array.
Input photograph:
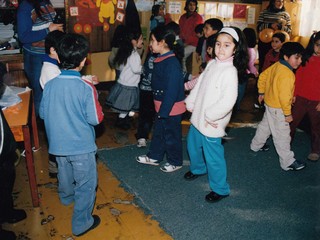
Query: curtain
[{"x": 310, "y": 20}]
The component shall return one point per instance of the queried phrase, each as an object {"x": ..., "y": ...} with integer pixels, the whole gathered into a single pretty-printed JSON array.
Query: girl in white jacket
[{"x": 211, "y": 102}]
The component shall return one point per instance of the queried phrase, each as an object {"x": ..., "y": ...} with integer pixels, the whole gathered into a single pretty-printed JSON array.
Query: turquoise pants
[{"x": 207, "y": 156}]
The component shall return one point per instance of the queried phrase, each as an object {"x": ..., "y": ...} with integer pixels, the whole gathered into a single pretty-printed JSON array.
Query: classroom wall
[{"x": 100, "y": 67}]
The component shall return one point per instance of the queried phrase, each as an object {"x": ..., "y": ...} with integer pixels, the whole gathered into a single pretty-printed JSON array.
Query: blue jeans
[
  {"x": 32, "y": 67},
  {"x": 207, "y": 155},
  {"x": 167, "y": 139},
  {"x": 77, "y": 176}
]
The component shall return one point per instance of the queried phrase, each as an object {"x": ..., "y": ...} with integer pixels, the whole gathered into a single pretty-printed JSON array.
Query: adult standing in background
[
  {"x": 35, "y": 18},
  {"x": 188, "y": 22},
  {"x": 273, "y": 17}
]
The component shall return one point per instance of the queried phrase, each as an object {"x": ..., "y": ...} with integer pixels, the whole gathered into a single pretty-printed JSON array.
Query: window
[{"x": 309, "y": 17}]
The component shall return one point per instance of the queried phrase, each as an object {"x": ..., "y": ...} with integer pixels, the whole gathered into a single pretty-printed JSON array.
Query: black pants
[{"x": 146, "y": 114}]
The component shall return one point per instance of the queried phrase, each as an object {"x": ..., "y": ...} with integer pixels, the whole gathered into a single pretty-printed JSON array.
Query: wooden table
[{"x": 21, "y": 118}]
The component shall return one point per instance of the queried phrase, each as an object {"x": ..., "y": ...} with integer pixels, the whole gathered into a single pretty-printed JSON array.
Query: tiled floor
[{"x": 120, "y": 218}]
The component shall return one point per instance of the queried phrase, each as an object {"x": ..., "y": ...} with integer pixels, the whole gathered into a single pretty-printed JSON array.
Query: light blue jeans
[
  {"x": 77, "y": 175},
  {"x": 207, "y": 155}
]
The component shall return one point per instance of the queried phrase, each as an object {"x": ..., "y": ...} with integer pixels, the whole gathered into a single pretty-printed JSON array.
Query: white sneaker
[
  {"x": 142, "y": 142},
  {"x": 146, "y": 160},
  {"x": 169, "y": 168}
]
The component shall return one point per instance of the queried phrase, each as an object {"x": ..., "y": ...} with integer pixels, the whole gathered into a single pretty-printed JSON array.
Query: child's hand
[
  {"x": 55, "y": 26},
  {"x": 91, "y": 79},
  {"x": 288, "y": 119},
  {"x": 318, "y": 107},
  {"x": 260, "y": 98}
]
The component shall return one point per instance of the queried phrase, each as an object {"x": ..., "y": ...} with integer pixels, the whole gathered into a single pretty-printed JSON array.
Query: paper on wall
[
  {"x": 211, "y": 9},
  {"x": 251, "y": 15},
  {"x": 174, "y": 7},
  {"x": 225, "y": 10}
]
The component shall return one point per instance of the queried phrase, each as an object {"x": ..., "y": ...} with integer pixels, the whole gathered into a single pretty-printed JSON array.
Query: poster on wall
[
  {"x": 96, "y": 20},
  {"x": 239, "y": 11},
  {"x": 174, "y": 8}
]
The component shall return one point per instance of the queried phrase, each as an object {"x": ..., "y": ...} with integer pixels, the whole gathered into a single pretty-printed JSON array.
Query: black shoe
[
  {"x": 190, "y": 176},
  {"x": 214, "y": 197},
  {"x": 7, "y": 235},
  {"x": 96, "y": 222},
  {"x": 265, "y": 148},
  {"x": 15, "y": 215},
  {"x": 296, "y": 166}
]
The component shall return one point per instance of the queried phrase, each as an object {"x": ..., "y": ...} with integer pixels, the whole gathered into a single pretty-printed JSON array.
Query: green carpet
[{"x": 265, "y": 201}]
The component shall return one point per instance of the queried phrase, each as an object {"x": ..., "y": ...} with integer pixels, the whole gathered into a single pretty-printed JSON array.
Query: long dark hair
[
  {"x": 125, "y": 46},
  {"x": 168, "y": 35},
  {"x": 155, "y": 11},
  {"x": 272, "y": 8},
  {"x": 310, "y": 47},
  {"x": 241, "y": 57}
]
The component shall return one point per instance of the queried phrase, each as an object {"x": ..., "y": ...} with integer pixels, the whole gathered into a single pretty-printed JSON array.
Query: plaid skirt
[{"x": 123, "y": 99}]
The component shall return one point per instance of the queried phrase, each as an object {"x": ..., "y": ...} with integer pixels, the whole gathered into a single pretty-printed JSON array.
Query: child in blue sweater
[
  {"x": 168, "y": 93},
  {"x": 70, "y": 110}
]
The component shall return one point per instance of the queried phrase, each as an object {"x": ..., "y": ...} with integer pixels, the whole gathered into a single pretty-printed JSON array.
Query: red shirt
[
  {"x": 271, "y": 58},
  {"x": 187, "y": 26},
  {"x": 308, "y": 80}
]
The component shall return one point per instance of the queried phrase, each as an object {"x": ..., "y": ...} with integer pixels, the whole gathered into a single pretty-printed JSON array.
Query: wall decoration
[
  {"x": 239, "y": 11},
  {"x": 96, "y": 20}
]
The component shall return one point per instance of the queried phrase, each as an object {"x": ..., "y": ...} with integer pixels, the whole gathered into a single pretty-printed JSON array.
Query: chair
[{"x": 17, "y": 76}]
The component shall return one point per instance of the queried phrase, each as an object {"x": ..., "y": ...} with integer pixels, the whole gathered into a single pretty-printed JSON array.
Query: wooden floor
[{"x": 120, "y": 218}]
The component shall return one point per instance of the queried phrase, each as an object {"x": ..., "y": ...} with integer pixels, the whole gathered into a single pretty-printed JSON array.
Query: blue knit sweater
[{"x": 70, "y": 110}]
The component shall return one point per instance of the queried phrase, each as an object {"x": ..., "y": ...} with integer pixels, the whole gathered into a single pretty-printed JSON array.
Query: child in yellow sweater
[{"x": 276, "y": 87}]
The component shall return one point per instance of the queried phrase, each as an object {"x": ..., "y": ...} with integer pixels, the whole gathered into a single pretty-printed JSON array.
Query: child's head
[
  {"x": 210, "y": 45},
  {"x": 277, "y": 41},
  {"x": 163, "y": 40},
  {"x": 157, "y": 10},
  {"x": 73, "y": 50},
  {"x": 131, "y": 39},
  {"x": 212, "y": 26},
  {"x": 313, "y": 47},
  {"x": 191, "y": 6},
  {"x": 230, "y": 41},
  {"x": 173, "y": 26},
  {"x": 251, "y": 37},
  {"x": 136, "y": 39},
  {"x": 199, "y": 30},
  {"x": 51, "y": 43},
  {"x": 292, "y": 52}
]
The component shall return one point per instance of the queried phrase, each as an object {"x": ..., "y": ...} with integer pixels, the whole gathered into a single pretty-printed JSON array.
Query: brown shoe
[{"x": 313, "y": 157}]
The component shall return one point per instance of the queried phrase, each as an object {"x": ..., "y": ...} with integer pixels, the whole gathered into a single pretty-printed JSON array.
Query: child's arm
[
  {"x": 93, "y": 109},
  {"x": 190, "y": 84}
]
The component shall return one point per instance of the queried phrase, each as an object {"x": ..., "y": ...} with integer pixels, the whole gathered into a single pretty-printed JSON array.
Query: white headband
[{"x": 231, "y": 32}]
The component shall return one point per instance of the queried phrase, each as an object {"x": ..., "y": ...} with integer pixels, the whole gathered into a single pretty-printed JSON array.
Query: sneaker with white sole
[
  {"x": 169, "y": 168},
  {"x": 144, "y": 159},
  {"x": 142, "y": 142},
  {"x": 296, "y": 166}
]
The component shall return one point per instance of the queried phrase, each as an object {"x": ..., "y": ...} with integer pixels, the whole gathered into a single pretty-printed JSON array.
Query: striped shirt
[{"x": 267, "y": 18}]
